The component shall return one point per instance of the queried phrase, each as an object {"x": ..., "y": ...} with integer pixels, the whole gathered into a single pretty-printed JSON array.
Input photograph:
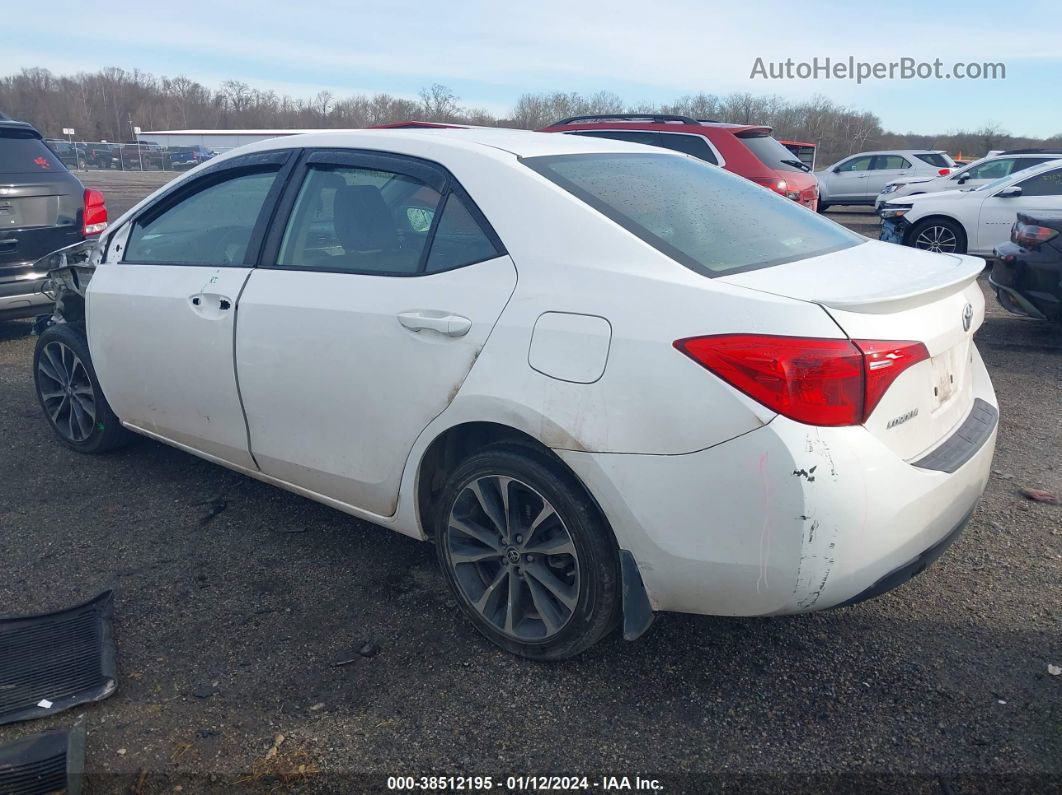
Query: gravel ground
[{"x": 228, "y": 631}]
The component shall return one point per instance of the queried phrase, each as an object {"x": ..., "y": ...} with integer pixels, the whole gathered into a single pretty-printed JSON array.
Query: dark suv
[
  {"x": 748, "y": 150},
  {"x": 43, "y": 207}
]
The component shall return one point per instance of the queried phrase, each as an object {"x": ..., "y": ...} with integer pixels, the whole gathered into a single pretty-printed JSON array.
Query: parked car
[
  {"x": 141, "y": 156},
  {"x": 43, "y": 207},
  {"x": 189, "y": 156},
  {"x": 606, "y": 380},
  {"x": 102, "y": 155},
  {"x": 1027, "y": 273},
  {"x": 974, "y": 220},
  {"x": 745, "y": 149},
  {"x": 71, "y": 155},
  {"x": 859, "y": 178},
  {"x": 974, "y": 175}
]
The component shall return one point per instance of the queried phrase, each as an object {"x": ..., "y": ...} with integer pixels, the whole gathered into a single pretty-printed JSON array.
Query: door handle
[
  {"x": 210, "y": 305},
  {"x": 431, "y": 320}
]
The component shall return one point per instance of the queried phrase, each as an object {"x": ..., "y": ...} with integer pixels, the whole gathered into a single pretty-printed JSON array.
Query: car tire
[
  {"x": 823, "y": 207},
  {"x": 541, "y": 579},
  {"x": 70, "y": 394},
  {"x": 940, "y": 235}
]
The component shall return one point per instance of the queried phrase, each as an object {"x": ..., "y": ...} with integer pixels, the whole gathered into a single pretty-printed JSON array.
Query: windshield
[
  {"x": 771, "y": 153},
  {"x": 711, "y": 221}
]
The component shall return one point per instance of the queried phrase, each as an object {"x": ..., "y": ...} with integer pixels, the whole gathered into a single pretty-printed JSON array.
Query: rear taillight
[
  {"x": 1032, "y": 235},
  {"x": 814, "y": 381},
  {"x": 777, "y": 185},
  {"x": 95, "y": 215}
]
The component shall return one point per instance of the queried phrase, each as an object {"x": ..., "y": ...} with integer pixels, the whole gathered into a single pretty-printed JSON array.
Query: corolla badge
[{"x": 967, "y": 317}]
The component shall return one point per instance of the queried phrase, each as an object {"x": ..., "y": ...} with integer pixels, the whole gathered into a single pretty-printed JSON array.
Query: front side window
[
  {"x": 212, "y": 226},
  {"x": 993, "y": 169},
  {"x": 705, "y": 218},
  {"x": 855, "y": 164},
  {"x": 689, "y": 144},
  {"x": 1047, "y": 184}
]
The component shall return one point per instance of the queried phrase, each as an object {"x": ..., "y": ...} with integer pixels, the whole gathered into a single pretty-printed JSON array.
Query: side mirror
[
  {"x": 837, "y": 170},
  {"x": 1010, "y": 192},
  {"x": 963, "y": 179}
]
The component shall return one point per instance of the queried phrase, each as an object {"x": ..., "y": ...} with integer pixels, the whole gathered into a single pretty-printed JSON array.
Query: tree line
[{"x": 106, "y": 105}]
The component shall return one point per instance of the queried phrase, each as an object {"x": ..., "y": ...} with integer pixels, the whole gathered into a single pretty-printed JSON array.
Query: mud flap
[
  {"x": 55, "y": 661},
  {"x": 637, "y": 612}
]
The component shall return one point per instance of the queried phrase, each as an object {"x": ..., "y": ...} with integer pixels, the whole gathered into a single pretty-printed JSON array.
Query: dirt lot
[{"x": 228, "y": 631}]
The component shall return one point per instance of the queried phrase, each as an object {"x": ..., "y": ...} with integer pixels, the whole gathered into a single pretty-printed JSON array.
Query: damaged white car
[{"x": 606, "y": 380}]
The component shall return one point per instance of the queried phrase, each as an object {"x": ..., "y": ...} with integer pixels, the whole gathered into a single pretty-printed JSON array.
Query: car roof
[
  {"x": 522, "y": 143},
  {"x": 10, "y": 124},
  {"x": 898, "y": 152}
]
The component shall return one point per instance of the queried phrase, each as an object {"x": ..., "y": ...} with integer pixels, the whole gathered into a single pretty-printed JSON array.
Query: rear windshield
[
  {"x": 21, "y": 153},
  {"x": 937, "y": 159},
  {"x": 711, "y": 221},
  {"x": 771, "y": 153}
]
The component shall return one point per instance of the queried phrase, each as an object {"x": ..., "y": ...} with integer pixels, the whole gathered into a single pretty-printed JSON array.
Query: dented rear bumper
[{"x": 787, "y": 518}]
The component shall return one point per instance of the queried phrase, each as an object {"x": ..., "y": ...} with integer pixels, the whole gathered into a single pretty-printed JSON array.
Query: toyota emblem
[{"x": 967, "y": 317}]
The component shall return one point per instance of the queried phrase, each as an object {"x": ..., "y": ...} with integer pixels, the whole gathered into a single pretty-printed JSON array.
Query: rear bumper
[
  {"x": 1028, "y": 283},
  {"x": 23, "y": 298},
  {"x": 787, "y": 518}
]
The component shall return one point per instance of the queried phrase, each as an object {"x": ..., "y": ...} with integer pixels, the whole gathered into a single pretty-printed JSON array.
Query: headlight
[
  {"x": 894, "y": 212},
  {"x": 889, "y": 189}
]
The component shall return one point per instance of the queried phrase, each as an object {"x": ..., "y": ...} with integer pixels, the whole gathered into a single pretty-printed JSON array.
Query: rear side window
[
  {"x": 212, "y": 226},
  {"x": 359, "y": 220},
  {"x": 1047, "y": 184},
  {"x": 709, "y": 220},
  {"x": 459, "y": 239},
  {"x": 23, "y": 153},
  {"x": 689, "y": 144},
  {"x": 890, "y": 162},
  {"x": 937, "y": 159},
  {"x": 771, "y": 153}
]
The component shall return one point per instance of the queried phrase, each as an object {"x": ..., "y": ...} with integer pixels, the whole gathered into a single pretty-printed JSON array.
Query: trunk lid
[{"x": 880, "y": 291}]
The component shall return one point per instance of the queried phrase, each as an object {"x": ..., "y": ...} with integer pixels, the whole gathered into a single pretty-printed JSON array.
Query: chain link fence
[{"x": 143, "y": 156}]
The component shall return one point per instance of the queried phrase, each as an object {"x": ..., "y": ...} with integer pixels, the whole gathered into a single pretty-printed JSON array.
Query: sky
[{"x": 491, "y": 52}]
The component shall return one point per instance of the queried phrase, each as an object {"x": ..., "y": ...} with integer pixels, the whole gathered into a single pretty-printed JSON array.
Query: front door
[
  {"x": 161, "y": 308},
  {"x": 380, "y": 290},
  {"x": 849, "y": 180}
]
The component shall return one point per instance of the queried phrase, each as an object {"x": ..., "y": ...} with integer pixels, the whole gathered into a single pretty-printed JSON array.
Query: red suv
[{"x": 746, "y": 149}]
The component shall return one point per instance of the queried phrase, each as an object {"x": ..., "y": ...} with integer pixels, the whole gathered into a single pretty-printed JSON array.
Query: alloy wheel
[
  {"x": 513, "y": 558},
  {"x": 66, "y": 392},
  {"x": 936, "y": 238}
]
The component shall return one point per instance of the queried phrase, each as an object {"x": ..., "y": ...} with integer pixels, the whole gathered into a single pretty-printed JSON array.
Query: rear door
[
  {"x": 1042, "y": 191},
  {"x": 161, "y": 308},
  {"x": 885, "y": 169},
  {"x": 849, "y": 180},
  {"x": 379, "y": 287}
]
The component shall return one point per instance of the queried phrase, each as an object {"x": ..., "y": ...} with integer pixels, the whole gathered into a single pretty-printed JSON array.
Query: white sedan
[
  {"x": 974, "y": 175},
  {"x": 975, "y": 220},
  {"x": 607, "y": 380}
]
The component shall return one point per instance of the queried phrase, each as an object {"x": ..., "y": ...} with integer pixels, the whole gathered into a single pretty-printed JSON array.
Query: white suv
[
  {"x": 993, "y": 166},
  {"x": 859, "y": 178}
]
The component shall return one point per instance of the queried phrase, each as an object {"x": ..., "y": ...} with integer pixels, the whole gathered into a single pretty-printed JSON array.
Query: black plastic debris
[
  {"x": 55, "y": 661},
  {"x": 48, "y": 762}
]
